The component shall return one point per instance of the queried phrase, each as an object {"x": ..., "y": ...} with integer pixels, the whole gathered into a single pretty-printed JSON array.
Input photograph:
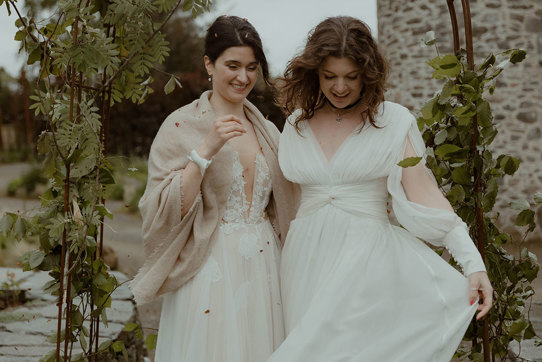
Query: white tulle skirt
[
  {"x": 359, "y": 289},
  {"x": 231, "y": 310}
]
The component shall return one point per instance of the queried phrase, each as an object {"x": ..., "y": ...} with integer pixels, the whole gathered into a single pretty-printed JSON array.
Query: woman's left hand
[{"x": 479, "y": 286}]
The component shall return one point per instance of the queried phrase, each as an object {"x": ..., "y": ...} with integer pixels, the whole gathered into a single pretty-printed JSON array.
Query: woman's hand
[
  {"x": 479, "y": 286},
  {"x": 224, "y": 128}
]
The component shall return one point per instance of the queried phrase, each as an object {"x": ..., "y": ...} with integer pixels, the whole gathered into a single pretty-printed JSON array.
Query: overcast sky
[{"x": 283, "y": 25}]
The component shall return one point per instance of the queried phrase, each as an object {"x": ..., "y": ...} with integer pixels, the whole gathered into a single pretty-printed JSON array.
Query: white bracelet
[{"x": 200, "y": 161}]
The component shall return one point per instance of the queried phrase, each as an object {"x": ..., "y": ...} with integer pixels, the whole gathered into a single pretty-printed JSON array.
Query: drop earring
[{"x": 210, "y": 79}]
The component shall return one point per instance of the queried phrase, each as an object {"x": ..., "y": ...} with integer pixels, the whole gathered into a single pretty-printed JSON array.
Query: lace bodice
[{"x": 238, "y": 211}]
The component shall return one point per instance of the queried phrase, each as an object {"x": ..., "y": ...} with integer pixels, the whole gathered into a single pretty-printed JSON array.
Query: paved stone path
[{"x": 24, "y": 329}]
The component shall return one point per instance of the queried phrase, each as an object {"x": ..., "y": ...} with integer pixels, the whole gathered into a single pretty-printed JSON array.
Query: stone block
[{"x": 527, "y": 117}]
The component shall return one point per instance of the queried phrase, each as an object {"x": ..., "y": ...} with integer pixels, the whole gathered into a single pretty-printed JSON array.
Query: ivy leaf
[
  {"x": 20, "y": 227},
  {"x": 517, "y": 56},
  {"x": 484, "y": 114},
  {"x": 36, "y": 257},
  {"x": 456, "y": 194},
  {"x": 529, "y": 332},
  {"x": 490, "y": 194},
  {"x": 6, "y": 223},
  {"x": 409, "y": 162},
  {"x": 131, "y": 327},
  {"x": 170, "y": 85},
  {"x": 105, "y": 345},
  {"x": 117, "y": 346},
  {"x": 20, "y": 35},
  {"x": 187, "y": 5},
  {"x": 489, "y": 61},
  {"x": 150, "y": 341},
  {"x": 538, "y": 198},
  {"x": 106, "y": 177},
  {"x": 441, "y": 136},
  {"x": 34, "y": 56},
  {"x": 509, "y": 164},
  {"x": 448, "y": 90},
  {"x": 461, "y": 176},
  {"x": 445, "y": 66},
  {"x": 526, "y": 217},
  {"x": 446, "y": 149},
  {"x": 429, "y": 109},
  {"x": 517, "y": 327}
]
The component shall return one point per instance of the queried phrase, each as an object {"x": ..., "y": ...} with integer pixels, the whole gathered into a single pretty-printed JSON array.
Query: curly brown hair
[{"x": 341, "y": 36}]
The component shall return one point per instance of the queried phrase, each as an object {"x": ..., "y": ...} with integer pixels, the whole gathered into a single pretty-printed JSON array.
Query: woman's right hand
[{"x": 224, "y": 128}]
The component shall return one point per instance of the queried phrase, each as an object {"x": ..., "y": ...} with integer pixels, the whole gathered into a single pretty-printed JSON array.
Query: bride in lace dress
[
  {"x": 229, "y": 309},
  {"x": 356, "y": 288}
]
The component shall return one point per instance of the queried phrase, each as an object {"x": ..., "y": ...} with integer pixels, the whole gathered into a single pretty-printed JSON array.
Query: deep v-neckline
[
  {"x": 259, "y": 158},
  {"x": 329, "y": 161}
]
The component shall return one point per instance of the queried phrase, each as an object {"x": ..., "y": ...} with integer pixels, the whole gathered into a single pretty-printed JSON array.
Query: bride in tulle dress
[
  {"x": 215, "y": 206},
  {"x": 355, "y": 287}
]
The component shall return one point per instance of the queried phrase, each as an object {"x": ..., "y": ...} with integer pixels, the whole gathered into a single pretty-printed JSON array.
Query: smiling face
[
  {"x": 340, "y": 81},
  {"x": 234, "y": 73}
]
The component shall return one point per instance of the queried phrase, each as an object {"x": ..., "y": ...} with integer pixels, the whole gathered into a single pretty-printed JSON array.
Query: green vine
[{"x": 454, "y": 154}]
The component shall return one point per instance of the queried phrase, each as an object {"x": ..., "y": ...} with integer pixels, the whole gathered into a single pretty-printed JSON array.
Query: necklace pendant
[{"x": 339, "y": 119}]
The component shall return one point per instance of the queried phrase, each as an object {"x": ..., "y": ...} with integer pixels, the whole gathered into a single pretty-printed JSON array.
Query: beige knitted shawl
[{"x": 176, "y": 247}]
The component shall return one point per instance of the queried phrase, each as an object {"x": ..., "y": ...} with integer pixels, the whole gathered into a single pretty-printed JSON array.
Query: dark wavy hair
[
  {"x": 232, "y": 31},
  {"x": 341, "y": 36}
]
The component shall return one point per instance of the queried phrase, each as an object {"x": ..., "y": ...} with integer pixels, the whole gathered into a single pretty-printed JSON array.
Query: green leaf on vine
[
  {"x": 456, "y": 194},
  {"x": 105, "y": 345},
  {"x": 6, "y": 223},
  {"x": 489, "y": 61},
  {"x": 35, "y": 258},
  {"x": 445, "y": 66},
  {"x": 446, "y": 149},
  {"x": 484, "y": 114},
  {"x": 538, "y": 198},
  {"x": 170, "y": 85},
  {"x": 441, "y": 136},
  {"x": 490, "y": 194},
  {"x": 517, "y": 56},
  {"x": 150, "y": 341},
  {"x": 461, "y": 176},
  {"x": 509, "y": 164},
  {"x": 526, "y": 217},
  {"x": 409, "y": 161},
  {"x": 429, "y": 109}
]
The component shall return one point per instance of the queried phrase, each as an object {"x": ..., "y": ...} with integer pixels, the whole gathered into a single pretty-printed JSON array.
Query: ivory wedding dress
[
  {"x": 231, "y": 310},
  {"x": 354, "y": 287}
]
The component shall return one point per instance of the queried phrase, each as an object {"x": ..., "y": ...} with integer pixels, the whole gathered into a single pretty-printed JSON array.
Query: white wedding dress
[
  {"x": 354, "y": 287},
  {"x": 231, "y": 310}
]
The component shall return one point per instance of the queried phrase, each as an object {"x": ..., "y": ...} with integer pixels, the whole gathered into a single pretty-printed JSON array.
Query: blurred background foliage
[{"x": 133, "y": 125}]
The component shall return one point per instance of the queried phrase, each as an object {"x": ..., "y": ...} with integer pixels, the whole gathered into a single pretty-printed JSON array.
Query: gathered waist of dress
[{"x": 365, "y": 200}]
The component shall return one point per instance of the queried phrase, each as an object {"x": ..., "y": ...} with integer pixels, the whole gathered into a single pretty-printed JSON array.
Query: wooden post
[{"x": 478, "y": 186}]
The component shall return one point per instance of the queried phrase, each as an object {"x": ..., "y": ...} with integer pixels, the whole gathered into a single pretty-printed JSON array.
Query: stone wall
[{"x": 498, "y": 25}]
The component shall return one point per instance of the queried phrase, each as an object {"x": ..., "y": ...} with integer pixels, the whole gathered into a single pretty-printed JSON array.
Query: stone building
[{"x": 498, "y": 25}]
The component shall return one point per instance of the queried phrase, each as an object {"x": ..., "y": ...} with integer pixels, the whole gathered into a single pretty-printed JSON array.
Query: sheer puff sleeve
[{"x": 435, "y": 225}]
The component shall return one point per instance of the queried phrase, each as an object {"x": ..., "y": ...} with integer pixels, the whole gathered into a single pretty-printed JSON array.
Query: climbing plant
[
  {"x": 91, "y": 54},
  {"x": 458, "y": 129}
]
